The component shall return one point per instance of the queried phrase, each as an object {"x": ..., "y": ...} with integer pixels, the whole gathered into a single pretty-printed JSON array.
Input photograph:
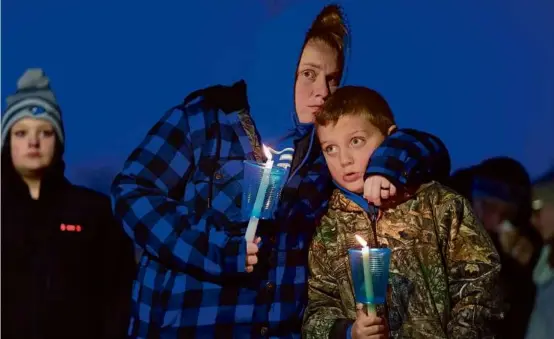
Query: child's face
[{"x": 347, "y": 147}]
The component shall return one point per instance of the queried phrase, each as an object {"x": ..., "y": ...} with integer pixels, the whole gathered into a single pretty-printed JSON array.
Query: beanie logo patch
[{"x": 37, "y": 110}]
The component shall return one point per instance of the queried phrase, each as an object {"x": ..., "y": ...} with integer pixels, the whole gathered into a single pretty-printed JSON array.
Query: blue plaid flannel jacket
[{"x": 179, "y": 198}]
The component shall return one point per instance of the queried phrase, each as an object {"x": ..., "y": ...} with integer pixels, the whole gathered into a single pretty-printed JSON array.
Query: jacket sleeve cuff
[
  {"x": 400, "y": 158},
  {"x": 399, "y": 173},
  {"x": 342, "y": 329},
  {"x": 234, "y": 260}
]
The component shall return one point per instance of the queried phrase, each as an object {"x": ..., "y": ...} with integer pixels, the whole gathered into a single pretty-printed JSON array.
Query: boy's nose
[{"x": 346, "y": 159}]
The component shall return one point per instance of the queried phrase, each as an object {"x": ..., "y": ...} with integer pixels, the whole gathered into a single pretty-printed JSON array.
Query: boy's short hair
[{"x": 356, "y": 100}]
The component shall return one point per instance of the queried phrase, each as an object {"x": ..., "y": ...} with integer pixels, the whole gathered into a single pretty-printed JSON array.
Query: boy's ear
[{"x": 392, "y": 129}]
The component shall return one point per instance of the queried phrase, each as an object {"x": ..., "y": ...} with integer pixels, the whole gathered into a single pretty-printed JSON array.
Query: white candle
[
  {"x": 368, "y": 282},
  {"x": 260, "y": 196}
]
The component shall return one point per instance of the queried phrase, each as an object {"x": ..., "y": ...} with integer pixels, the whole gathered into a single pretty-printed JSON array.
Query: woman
[{"x": 67, "y": 267}]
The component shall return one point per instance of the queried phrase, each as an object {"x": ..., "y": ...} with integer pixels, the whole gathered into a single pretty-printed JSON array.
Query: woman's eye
[
  {"x": 334, "y": 82},
  {"x": 309, "y": 74}
]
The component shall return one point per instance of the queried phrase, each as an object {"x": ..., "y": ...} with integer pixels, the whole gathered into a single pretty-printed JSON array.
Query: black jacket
[{"x": 67, "y": 267}]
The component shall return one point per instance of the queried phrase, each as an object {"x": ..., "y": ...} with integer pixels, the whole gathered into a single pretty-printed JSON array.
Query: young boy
[{"x": 443, "y": 268}]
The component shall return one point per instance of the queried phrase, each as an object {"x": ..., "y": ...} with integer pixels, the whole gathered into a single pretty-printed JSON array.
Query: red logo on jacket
[{"x": 70, "y": 228}]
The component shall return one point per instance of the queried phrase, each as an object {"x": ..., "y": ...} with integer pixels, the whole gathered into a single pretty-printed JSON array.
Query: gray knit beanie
[{"x": 33, "y": 99}]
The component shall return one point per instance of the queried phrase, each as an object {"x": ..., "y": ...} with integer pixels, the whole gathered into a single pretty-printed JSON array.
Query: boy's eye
[
  {"x": 357, "y": 141},
  {"x": 331, "y": 149}
]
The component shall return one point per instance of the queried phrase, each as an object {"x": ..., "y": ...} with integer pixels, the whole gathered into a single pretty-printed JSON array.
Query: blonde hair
[
  {"x": 330, "y": 27},
  {"x": 357, "y": 100}
]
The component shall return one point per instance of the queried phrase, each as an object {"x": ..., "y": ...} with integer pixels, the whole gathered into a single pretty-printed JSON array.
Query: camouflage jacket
[{"x": 443, "y": 270}]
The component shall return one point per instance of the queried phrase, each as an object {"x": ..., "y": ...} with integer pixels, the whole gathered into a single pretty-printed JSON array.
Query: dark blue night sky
[{"x": 478, "y": 74}]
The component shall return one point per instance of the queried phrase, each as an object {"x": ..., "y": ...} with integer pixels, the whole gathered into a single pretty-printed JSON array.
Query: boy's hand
[
  {"x": 251, "y": 254},
  {"x": 377, "y": 187},
  {"x": 368, "y": 326}
]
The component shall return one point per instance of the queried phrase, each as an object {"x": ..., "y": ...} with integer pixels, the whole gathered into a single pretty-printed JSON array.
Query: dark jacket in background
[{"x": 67, "y": 267}]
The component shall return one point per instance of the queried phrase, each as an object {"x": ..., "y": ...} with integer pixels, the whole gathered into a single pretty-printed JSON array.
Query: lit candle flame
[
  {"x": 267, "y": 153},
  {"x": 361, "y": 240}
]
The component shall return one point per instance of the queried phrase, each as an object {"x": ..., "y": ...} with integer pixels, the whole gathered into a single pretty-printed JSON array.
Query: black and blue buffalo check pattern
[{"x": 179, "y": 198}]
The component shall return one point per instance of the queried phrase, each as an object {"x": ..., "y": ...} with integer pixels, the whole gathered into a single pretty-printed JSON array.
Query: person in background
[
  {"x": 501, "y": 198},
  {"x": 501, "y": 201},
  {"x": 67, "y": 266},
  {"x": 541, "y": 325}
]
